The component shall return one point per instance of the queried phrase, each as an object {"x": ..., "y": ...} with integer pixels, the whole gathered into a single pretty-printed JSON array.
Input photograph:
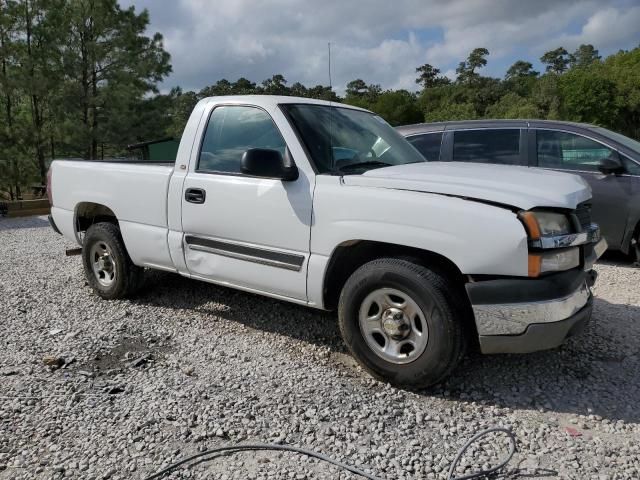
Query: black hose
[{"x": 349, "y": 468}]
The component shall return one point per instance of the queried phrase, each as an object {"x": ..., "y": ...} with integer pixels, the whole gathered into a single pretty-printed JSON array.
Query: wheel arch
[
  {"x": 349, "y": 255},
  {"x": 88, "y": 213}
]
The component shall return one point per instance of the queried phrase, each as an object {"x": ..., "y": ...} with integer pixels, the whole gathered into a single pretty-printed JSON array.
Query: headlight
[
  {"x": 542, "y": 224},
  {"x": 553, "y": 261}
]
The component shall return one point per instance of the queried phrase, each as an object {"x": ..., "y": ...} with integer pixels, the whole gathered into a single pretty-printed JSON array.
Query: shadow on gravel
[
  {"x": 591, "y": 374},
  {"x": 23, "y": 222},
  {"x": 255, "y": 311},
  {"x": 617, "y": 259}
]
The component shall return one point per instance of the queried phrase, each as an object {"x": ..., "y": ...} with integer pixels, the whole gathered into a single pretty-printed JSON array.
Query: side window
[
  {"x": 630, "y": 166},
  {"x": 231, "y": 131},
  {"x": 428, "y": 145},
  {"x": 500, "y": 146},
  {"x": 569, "y": 151}
]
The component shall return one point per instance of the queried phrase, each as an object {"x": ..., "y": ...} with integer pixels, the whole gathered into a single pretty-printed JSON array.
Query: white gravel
[{"x": 187, "y": 366}]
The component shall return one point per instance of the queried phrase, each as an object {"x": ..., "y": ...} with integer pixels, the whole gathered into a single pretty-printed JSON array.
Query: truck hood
[{"x": 519, "y": 187}]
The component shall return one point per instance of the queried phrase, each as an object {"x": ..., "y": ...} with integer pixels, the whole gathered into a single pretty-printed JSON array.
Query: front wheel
[
  {"x": 402, "y": 322},
  {"x": 107, "y": 265}
]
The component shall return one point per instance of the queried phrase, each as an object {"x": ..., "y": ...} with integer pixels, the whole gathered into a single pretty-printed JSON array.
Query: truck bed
[{"x": 136, "y": 193}]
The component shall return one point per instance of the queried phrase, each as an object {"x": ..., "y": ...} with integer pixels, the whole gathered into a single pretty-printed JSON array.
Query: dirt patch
[{"x": 129, "y": 352}]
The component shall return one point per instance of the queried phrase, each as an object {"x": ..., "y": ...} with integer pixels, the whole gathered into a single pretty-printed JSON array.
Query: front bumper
[{"x": 526, "y": 315}]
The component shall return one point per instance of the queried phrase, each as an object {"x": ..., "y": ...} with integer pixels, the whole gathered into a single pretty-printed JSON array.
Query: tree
[
  {"x": 13, "y": 163},
  {"x": 512, "y": 105},
  {"x": 430, "y": 76},
  {"x": 588, "y": 97},
  {"x": 520, "y": 69},
  {"x": 398, "y": 107},
  {"x": 276, "y": 85},
  {"x": 44, "y": 26},
  {"x": 584, "y": 56},
  {"x": 356, "y": 88},
  {"x": 623, "y": 69},
  {"x": 110, "y": 63},
  {"x": 242, "y": 86},
  {"x": 467, "y": 70},
  {"x": 555, "y": 60}
]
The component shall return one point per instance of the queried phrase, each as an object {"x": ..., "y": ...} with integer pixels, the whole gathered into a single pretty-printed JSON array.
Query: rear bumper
[{"x": 526, "y": 315}]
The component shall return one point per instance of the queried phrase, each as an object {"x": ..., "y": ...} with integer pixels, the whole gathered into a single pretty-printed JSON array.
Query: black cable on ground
[{"x": 349, "y": 468}]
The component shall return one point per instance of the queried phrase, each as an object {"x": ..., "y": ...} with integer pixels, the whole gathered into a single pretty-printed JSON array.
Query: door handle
[{"x": 195, "y": 195}]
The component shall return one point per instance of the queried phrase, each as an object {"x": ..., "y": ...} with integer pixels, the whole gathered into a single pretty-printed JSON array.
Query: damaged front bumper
[{"x": 527, "y": 315}]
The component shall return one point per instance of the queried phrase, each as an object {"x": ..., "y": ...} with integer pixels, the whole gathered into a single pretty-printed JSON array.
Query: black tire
[
  {"x": 127, "y": 276},
  {"x": 443, "y": 307}
]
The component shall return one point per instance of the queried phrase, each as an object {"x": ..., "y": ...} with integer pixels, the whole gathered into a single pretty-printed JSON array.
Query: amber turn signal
[
  {"x": 531, "y": 224},
  {"x": 535, "y": 265}
]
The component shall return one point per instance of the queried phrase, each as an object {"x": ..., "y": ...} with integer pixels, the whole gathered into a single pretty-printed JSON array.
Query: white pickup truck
[{"x": 326, "y": 205}]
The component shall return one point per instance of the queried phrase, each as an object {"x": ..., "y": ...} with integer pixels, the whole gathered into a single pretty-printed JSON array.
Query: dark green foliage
[{"x": 557, "y": 60}]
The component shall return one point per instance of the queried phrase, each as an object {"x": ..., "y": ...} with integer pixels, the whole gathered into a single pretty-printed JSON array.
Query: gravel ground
[{"x": 187, "y": 366}]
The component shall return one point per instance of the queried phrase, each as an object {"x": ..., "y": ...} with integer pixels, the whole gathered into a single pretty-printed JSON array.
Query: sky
[{"x": 379, "y": 41}]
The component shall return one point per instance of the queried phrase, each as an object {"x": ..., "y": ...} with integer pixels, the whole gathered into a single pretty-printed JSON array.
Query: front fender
[{"x": 478, "y": 238}]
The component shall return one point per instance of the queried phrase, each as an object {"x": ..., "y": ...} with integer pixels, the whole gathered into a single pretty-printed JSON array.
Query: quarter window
[
  {"x": 428, "y": 145},
  {"x": 231, "y": 131},
  {"x": 500, "y": 146},
  {"x": 569, "y": 151}
]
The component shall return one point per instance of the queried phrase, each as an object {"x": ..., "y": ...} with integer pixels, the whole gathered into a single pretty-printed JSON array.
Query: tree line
[{"x": 79, "y": 78}]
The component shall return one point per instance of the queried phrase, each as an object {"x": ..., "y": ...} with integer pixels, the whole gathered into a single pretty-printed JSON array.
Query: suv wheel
[{"x": 402, "y": 322}]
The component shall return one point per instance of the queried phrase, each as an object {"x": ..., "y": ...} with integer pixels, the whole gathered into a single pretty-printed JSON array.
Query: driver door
[{"x": 243, "y": 231}]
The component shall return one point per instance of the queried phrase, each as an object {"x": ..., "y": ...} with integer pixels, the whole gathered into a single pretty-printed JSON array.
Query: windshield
[
  {"x": 346, "y": 141},
  {"x": 626, "y": 141}
]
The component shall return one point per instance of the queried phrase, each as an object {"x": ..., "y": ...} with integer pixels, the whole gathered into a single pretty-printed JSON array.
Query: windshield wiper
[{"x": 363, "y": 164}]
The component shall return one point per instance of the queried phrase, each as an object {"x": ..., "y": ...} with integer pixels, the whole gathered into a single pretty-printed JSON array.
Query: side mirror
[
  {"x": 266, "y": 163},
  {"x": 611, "y": 166}
]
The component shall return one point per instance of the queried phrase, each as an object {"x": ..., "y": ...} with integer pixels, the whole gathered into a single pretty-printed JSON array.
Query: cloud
[
  {"x": 379, "y": 41},
  {"x": 609, "y": 28}
]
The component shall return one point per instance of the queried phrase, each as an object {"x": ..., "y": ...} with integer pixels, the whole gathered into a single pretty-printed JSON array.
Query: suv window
[
  {"x": 569, "y": 151},
  {"x": 428, "y": 144},
  {"x": 231, "y": 131},
  {"x": 500, "y": 146}
]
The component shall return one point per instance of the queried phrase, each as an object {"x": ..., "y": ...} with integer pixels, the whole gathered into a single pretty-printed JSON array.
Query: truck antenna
[{"x": 330, "y": 85}]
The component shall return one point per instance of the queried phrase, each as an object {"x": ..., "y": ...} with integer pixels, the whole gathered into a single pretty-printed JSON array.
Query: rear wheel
[
  {"x": 107, "y": 265},
  {"x": 402, "y": 322}
]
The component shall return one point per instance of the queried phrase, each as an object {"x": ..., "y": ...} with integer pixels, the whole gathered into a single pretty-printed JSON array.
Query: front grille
[{"x": 583, "y": 214}]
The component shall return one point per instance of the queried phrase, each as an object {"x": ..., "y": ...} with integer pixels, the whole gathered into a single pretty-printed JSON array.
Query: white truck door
[{"x": 242, "y": 231}]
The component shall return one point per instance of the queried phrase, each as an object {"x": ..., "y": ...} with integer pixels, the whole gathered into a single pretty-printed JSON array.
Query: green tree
[
  {"x": 430, "y": 76},
  {"x": 588, "y": 97},
  {"x": 110, "y": 63},
  {"x": 556, "y": 61},
  {"x": 467, "y": 70},
  {"x": 512, "y": 105},
  {"x": 242, "y": 86},
  {"x": 623, "y": 69},
  {"x": 398, "y": 107},
  {"x": 276, "y": 85},
  {"x": 44, "y": 26},
  {"x": 520, "y": 69},
  {"x": 356, "y": 88},
  {"x": 14, "y": 163},
  {"x": 584, "y": 56}
]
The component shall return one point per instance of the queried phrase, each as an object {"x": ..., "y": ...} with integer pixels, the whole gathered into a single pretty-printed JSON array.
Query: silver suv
[{"x": 608, "y": 161}]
